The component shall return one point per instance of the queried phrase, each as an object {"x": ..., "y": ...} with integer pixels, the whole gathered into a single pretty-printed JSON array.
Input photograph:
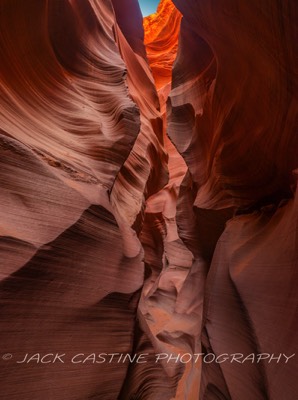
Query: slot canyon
[{"x": 148, "y": 200}]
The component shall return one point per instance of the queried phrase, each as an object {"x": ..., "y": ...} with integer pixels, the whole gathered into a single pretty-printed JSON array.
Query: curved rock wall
[
  {"x": 232, "y": 114},
  {"x": 161, "y": 41},
  {"x": 148, "y": 204},
  {"x": 81, "y": 150}
]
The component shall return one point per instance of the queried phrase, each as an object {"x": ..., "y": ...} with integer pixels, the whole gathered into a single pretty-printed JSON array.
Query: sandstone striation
[
  {"x": 161, "y": 41},
  {"x": 148, "y": 199},
  {"x": 81, "y": 150},
  {"x": 232, "y": 114}
]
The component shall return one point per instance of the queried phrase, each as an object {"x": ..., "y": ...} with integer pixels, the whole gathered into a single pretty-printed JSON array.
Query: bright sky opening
[{"x": 148, "y": 6}]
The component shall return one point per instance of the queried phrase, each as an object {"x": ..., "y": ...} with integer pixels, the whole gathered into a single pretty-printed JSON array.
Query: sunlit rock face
[
  {"x": 148, "y": 198},
  {"x": 161, "y": 40}
]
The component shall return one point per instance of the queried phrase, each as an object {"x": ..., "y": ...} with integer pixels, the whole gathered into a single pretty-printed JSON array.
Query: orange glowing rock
[{"x": 161, "y": 40}]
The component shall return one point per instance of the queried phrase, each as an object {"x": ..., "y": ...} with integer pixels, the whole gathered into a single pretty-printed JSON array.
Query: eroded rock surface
[
  {"x": 232, "y": 114},
  {"x": 148, "y": 198}
]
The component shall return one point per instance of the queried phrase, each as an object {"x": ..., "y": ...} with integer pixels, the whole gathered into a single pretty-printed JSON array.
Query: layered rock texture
[
  {"x": 161, "y": 41},
  {"x": 148, "y": 199},
  {"x": 232, "y": 114}
]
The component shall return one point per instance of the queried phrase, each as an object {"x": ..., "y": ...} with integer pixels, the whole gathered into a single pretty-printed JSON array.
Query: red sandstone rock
[
  {"x": 134, "y": 223},
  {"x": 161, "y": 40},
  {"x": 233, "y": 117},
  {"x": 81, "y": 148}
]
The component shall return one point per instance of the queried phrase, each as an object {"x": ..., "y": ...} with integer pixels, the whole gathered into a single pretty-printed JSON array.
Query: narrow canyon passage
[
  {"x": 170, "y": 307},
  {"x": 148, "y": 191}
]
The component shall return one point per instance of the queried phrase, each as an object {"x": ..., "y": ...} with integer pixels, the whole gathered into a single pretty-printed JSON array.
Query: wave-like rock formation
[
  {"x": 232, "y": 114},
  {"x": 161, "y": 41},
  {"x": 81, "y": 150},
  {"x": 148, "y": 199}
]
